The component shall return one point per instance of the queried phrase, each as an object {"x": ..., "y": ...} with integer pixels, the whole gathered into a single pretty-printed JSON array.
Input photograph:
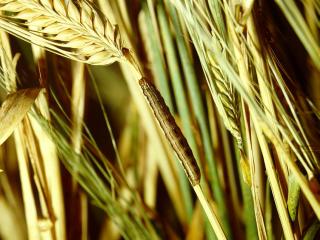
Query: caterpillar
[{"x": 171, "y": 130}]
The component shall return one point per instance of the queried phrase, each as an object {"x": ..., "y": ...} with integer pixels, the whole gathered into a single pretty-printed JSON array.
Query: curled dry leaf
[
  {"x": 14, "y": 109},
  {"x": 76, "y": 30}
]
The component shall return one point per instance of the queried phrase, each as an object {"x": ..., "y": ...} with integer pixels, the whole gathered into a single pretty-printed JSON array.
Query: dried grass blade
[
  {"x": 79, "y": 198},
  {"x": 14, "y": 109},
  {"x": 29, "y": 200}
]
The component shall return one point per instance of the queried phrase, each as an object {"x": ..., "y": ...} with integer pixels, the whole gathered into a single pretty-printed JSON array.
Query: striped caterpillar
[{"x": 171, "y": 130}]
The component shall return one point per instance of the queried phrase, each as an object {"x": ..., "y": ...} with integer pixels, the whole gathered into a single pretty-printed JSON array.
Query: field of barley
[{"x": 159, "y": 119}]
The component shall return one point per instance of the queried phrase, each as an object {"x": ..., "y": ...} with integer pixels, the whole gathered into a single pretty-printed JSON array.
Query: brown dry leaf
[{"x": 13, "y": 110}]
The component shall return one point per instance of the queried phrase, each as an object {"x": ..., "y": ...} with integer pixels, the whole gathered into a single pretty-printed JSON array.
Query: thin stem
[{"x": 216, "y": 226}]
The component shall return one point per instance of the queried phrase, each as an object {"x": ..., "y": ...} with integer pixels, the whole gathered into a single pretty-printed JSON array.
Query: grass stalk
[
  {"x": 295, "y": 171},
  {"x": 277, "y": 193},
  {"x": 268, "y": 213},
  {"x": 248, "y": 212},
  {"x": 156, "y": 58},
  {"x": 163, "y": 162},
  {"x": 165, "y": 91},
  {"x": 180, "y": 97},
  {"x": 281, "y": 206},
  {"x": 212, "y": 167},
  {"x": 210, "y": 214},
  {"x": 48, "y": 152},
  {"x": 77, "y": 109},
  {"x": 299, "y": 25},
  {"x": 256, "y": 177},
  {"x": 29, "y": 199}
]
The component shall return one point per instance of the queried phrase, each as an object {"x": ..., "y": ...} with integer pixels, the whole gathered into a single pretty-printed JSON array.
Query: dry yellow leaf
[{"x": 13, "y": 110}]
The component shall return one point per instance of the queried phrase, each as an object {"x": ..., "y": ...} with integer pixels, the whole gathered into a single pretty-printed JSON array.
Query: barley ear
[{"x": 77, "y": 30}]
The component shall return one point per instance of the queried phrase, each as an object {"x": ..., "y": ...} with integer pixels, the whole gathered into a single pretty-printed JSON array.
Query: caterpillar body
[{"x": 171, "y": 130}]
